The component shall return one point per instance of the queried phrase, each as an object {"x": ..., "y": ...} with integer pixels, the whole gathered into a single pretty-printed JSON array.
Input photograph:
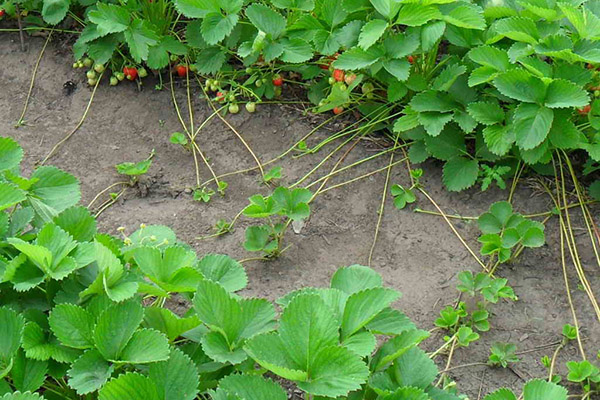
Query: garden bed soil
[{"x": 416, "y": 253}]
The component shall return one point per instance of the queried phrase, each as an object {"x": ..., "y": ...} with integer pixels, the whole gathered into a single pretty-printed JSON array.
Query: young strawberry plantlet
[
  {"x": 272, "y": 174},
  {"x": 504, "y": 229},
  {"x": 134, "y": 170},
  {"x": 203, "y": 195},
  {"x": 403, "y": 196},
  {"x": 278, "y": 209},
  {"x": 502, "y": 354}
]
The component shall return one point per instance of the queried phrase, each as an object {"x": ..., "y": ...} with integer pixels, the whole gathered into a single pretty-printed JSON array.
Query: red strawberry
[
  {"x": 585, "y": 110},
  {"x": 277, "y": 80},
  {"x": 181, "y": 70},
  {"x": 131, "y": 73},
  {"x": 338, "y": 75}
]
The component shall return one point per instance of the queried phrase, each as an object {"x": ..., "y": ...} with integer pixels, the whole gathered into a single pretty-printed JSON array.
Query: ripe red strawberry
[
  {"x": 182, "y": 70},
  {"x": 277, "y": 80},
  {"x": 2, "y": 13},
  {"x": 585, "y": 110},
  {"x": 411, "y": 59},
  {"x": 338, "y": 110},
  {"x": 131, "y": 73},
  {"x": 221, "y": 96},
  {"x": 338, "y": 75}
]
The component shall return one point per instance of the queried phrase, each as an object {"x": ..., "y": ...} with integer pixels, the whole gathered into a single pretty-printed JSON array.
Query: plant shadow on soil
[{"x": 416, "y": 253}]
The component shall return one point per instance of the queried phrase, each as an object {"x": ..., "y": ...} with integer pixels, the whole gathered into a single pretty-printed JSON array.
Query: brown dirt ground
[{"x": 416, "y": 253}]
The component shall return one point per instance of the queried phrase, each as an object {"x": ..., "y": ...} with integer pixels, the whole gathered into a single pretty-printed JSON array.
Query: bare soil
[{"x": 416, "y": 253}]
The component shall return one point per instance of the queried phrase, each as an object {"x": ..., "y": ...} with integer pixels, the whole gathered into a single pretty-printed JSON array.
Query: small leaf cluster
[
  {"x": 459, "y": 320},
  {"x": 504, "y": 229},
  {"x": 279, "y": 209}
]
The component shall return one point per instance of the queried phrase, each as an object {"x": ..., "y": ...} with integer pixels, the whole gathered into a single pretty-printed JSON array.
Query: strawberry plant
[
  {"x": 279, "y": 209},
  {"x": 504, "y": 229},
  {"x": 473, "y": 84}
]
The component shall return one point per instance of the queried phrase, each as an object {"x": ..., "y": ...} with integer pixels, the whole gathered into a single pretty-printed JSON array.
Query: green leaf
[
  {"x": 115, "y": 327},
  {"x": 434, "y": 122},
  {"x": 72, "y": 325},
  {"x": 139, "y": 37},
  {"x": 307, "y": 326},
  {"x": 257, "y": 238},
  {"x": 252, "y": 387},
  {"x": 261, "y": 207},
  {"x": 130, "y": 386},
  {"x": 387, "y": 8},
  {"x": 39, "y": 345},
  {"x": 109, "y": 18},
  {"x": 400, "y": 45},
  {"x": 430, "y": 100},
  {"x": 224, "y": 270},
  {"x": 449, "y": 144},
  {"x": 11, "y": 154},
  {"x": 520, "y": 29},
  {"x": 371, "y": 32},
  {"x": 496, "y": 219},
  {"x": 54, "y": 11},
  {"x": 210, "y": 60},
  {"x": 562, "y": 93},
  {"x": 460, "y": 173},
  {"x": 468, "y": 16},
  {"x": 390, "y": 322},
  {"x": 216, "y": 26},
  {"x": 102, "y": 49},
  {"x": 414, "y": 14},
  {"x": 531, "y": 124},
  {"x": 362, "y": 343},
  {"x": 400, "y": 69},
  {"x": 158, "y": 55},
  {"x": 270, "y": 352},
  {"x": 10, "y": 195},
  {"x": 415, "y": 368},
  {"x": 175, "y": 378},
  {"x": 543, "y": 390},
  {"x": 168, "y": 323},
  {"x": 55, "y": 190},
  {"x": 11, "y": 329},
  {"x": 295, "y": 50},
  {"x": 490, "y": 57},
  {"x": 89, "y": 372},
  {"x": 396, "y": 347},
  {"x": 501, "y": 394},
  {"x": 486, "y": 113},
  {"x": 498, "y": 138},
  {"x": 28, "y": 375},
  {"x": 585, "y": 21},
  {"x": 363, "y": 306},
  {"x": 145, "y": 346},
  {"x": 335, "y": 372},
  {"x": 196, "y": 8},
  {"x": 77, "y": 222},
  {"x": 304, "y": 5},
  {"x": 408, "y": 393},
  {"x": 293, "y": 203},
  {"x": 357, "y": 58},
  {"x": 521, "y": 85},
  {"x": 355, "y": 278},
  {"x": 266, "y": 19},
  {"x": 215, "y": 346},
  {"x": 21, "y": 396},
  {"x": 445, "y": 80}
]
